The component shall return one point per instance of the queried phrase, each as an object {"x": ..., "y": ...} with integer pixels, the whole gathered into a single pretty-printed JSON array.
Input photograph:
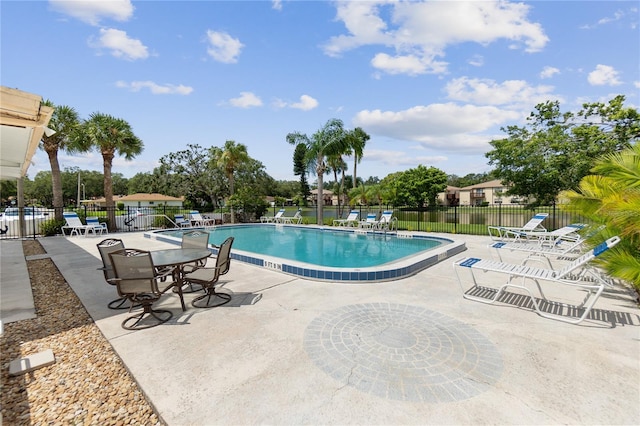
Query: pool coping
[{"x": 396, "y": 270}]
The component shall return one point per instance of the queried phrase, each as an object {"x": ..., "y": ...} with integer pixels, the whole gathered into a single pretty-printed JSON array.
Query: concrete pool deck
[{"x": 292, "y": 351}]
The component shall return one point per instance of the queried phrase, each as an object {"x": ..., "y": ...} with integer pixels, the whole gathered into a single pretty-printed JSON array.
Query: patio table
[{"x": 176, "y": 258}]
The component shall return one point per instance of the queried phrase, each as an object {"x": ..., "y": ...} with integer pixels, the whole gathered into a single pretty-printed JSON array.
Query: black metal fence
[{"x": 460, "y": 219}]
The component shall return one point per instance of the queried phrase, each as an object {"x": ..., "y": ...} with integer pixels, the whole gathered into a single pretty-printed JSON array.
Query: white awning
[{"x": 22, "y": 123}]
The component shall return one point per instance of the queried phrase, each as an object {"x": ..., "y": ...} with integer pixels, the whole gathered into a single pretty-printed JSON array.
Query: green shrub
[{"x": 51, "y": 227}]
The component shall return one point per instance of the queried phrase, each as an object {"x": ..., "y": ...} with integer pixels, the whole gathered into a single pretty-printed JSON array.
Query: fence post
[{"x": 455, "y": 219}]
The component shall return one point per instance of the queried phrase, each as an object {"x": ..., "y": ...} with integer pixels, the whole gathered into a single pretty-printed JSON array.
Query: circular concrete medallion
[{"x": 403, "y": 352}]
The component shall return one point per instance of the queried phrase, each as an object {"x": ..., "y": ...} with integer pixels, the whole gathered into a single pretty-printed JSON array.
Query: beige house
[
  {"x": 492, "y": 192},
  {"x": 330, "y": 199},
  {"x": 140, "y": 200}
]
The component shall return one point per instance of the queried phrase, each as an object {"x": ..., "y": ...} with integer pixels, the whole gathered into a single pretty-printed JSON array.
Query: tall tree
[
  {"x": 300, "y": 169},
  {"x": 64, "y": 122},
  {"x": 327, "y": 141},
  {"x": 110, "y": 136},
  {"x": 556, "y": 149},
  {"x": 356, "y": 140},
  {"x": 336, "y": 164},
  {"x": 232, "y": 156}
]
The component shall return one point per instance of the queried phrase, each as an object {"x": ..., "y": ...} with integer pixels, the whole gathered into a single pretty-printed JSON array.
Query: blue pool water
[
  {"x": 339, "y": 249},
  {"x": 327, "y": 253}
]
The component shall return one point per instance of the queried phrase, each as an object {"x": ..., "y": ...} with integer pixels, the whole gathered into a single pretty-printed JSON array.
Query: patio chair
[
  {"x": 387, "y": 221},
  {"x": 198, "y": 220},
  {"x": 370, "y": 222},
  {"x": 564, "y": 248},
  {"x": 209, "y": 278},
  {"x": 576, "y": 274},
  {"x": 181, "y": 222},
  {"x": 98, "y": 227},
  {"x": 137, "y": 279},
  {"x": 351, "y": 220},
  {"x": 75, "y": 225},
  {"x": 104, "y": 248},
  {"x": 295, "y": 219},
  {"x": 502, "y": 233},
  {"x": 272, "y": 219},
  {"x": 195, "y": 239}
]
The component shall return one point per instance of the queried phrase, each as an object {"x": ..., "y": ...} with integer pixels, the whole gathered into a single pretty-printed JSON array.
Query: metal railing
[{"x": 460, "y": 219}]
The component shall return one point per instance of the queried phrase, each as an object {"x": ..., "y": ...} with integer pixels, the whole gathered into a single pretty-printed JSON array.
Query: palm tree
[
  {"x": 64, "y": 122},
  {"x": 110, "y": 136},
  {"x": 336, "y": 164},
  {"x": 327, "y": 141},
  {"x": 230, "y": 158},
  {"x": 611, "y": 196},
  {"x": 356, "y": 139}
]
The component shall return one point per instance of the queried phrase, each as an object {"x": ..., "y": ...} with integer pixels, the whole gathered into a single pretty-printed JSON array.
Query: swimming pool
[{"x": 328, "y": 254}]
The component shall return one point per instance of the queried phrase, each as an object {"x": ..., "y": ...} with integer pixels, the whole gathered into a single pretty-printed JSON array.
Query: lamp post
[
  {"x": 84, "y": 195},
  {"x": 78, "y": 198}
]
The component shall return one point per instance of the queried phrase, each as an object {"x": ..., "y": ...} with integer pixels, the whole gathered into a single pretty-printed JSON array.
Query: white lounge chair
[
  {"x": 98, "y": 228},
  {"x": 198, "y": 220},
  {"x": 181, "y": 221},
  {"x": 271, "y": 219},
  {"x": 75, "y": 225},
  {"x": 387, "y": 222},
  {"x": 562, "y": 248},
  {"x": 502, "y": 233},
  {"x": 370, "y": 222},
  {"x": 351, "y": 220},
  {"x": 295, "y": 219},
  {"x": 575, "y": 274}
]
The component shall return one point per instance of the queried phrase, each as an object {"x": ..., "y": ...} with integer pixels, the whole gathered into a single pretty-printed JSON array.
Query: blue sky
[{"x": 431, "y": 82}]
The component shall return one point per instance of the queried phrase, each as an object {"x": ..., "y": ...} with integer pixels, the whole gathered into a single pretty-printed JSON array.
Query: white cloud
[
  {"x": 418, "y": 33},
  {"x": 306, "y": 103},
  {"x": 246, "y": 100},
  {"x": 399, "y": 159},
  {"x": 636, "y": 84},
  {"x": 154, "y": 88},
  {"x": 120, "y": 45},
  {"x": 604, "y": 75},
  {"x": 408, "y": 64},
  {"x": 222, "y": 47},
  {"x": 548, "y": 72},
  {"x": 91, "y": 12},
  {"x": 442, "y": 126},
  {"x": 476, "y": 60},
  {"x": 276, "y": 4},
  {"x": 489, "y": 92}
]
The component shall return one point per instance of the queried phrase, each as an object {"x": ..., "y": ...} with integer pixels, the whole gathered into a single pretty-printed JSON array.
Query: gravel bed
[{"x": 88, "y": 384}]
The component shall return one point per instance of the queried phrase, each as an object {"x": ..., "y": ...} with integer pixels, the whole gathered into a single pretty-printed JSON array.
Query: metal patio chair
[
  {"x": 137, "y": 279},
  {"x": 209, "y": 278}
]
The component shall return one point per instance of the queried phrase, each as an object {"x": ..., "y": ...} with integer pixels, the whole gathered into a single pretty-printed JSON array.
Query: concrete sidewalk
[{"x": 411, "y": 351}]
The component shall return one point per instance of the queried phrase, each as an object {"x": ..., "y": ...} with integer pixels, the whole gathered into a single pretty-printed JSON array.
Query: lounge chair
[
  {"x": 351, "y": 220},
  {"x": 272, "y": 219},
  {"x": 575, "y": 274},
  {"x": 209, "y": 278},
  {"x": 535, "y": 250},
  {"x": 370, "y": 222},
  {"x": 295, "y": 219},
  {"x": 387, "y": 221},
  {"x": 198, "y": 220},
  {"x": 137, "y": 279},
  {"x": 502, "y": 233},
  {"x": 181, "y": 221},
  {"x": 98, "y": 227},
  {"x": 75, "y": 225}
]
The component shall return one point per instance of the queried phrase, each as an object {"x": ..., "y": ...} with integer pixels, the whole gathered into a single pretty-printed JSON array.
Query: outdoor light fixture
[{"x": 49, "y": 132}]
